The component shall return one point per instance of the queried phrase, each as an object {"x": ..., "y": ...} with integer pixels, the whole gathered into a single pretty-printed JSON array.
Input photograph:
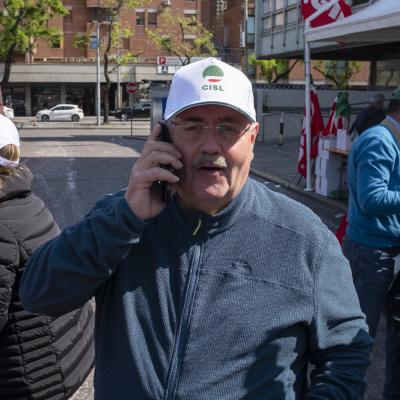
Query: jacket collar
[
  {"x": 390, "y": 124},
  {"x": 196, "y": 222},
  {"x": 16, "y": 185}
]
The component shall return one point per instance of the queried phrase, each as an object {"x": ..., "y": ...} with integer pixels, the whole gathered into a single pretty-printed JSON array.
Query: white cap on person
[
  {"x": 8, "y": 135},
  {"x": 210, "y": 81}
]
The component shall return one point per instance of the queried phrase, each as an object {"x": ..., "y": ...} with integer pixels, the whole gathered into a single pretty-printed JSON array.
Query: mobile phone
[{"x": 165, "y": 187}]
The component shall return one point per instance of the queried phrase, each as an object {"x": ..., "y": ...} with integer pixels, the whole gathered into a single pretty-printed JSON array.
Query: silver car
[{"x": 60, "y": 112}]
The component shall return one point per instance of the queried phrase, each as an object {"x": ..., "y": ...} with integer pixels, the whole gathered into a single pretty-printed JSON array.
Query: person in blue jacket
[
  {"x": 372, "y": 241},
  {"x": 228, "y": 291}
]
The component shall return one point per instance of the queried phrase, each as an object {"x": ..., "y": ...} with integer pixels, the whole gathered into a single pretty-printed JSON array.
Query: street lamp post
[
  {"x": 245, "y": 18},
  {"x": 118, "y": 76},
  {"x": 97, "y": 73}
]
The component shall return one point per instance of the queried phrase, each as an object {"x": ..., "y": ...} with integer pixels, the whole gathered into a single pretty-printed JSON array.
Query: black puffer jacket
[{"x": 40, "y": 357}]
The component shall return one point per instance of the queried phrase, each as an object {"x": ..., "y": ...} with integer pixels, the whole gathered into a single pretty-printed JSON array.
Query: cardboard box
[
  {"x": 325, "y": 154},
  {"x": 325, "y": 143},
  {"x": 325, "y": 186},
  {"x": 343, "y": 140},
  {"x": 330, "y": 167}
]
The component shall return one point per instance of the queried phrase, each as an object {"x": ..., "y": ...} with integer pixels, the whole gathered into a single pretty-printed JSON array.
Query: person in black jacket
[
  {"x": 40, "y": 357},
  {"x": 372, "y": 115}
]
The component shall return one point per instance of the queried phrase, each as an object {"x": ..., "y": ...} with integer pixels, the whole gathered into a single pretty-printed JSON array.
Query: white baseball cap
[
  {"x": 210, "y": 81},
  {"x": 8, "y": 135}
]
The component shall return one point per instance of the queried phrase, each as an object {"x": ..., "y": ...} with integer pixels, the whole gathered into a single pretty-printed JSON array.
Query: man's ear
[{"x": 254, "y": 131}]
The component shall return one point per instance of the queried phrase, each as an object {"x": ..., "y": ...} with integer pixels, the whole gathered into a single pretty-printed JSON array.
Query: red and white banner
[
  {"x": 339, "y": 118},
  {"x": 317, "y": 127},
  {"x": 337, "y": 11}
]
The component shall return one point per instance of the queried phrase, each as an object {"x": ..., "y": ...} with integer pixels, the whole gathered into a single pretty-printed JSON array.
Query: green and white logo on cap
[{"x": 213, "y": 74}]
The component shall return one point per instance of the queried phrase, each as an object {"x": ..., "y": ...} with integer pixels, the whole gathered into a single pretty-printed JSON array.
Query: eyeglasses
[{"x": 226, "y": 130}]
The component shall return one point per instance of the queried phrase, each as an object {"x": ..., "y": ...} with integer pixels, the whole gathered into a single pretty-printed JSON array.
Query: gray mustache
[{"x": 210, "y": 161}]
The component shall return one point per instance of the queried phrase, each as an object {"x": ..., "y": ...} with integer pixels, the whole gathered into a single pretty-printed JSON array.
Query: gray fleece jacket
[{"x": 191, "y": 306}]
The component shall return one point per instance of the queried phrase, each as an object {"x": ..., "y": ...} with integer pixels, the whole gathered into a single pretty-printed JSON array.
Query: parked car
[
  {"x": 60, "y": 112},
  {"x": 139, "y": 110},
  {"x": 8, "y": 112}
]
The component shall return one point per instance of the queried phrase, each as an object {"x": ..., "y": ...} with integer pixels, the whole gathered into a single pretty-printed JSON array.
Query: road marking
[{"x": 54, "y": 202}]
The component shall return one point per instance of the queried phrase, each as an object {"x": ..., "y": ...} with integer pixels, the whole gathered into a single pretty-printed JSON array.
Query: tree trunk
[
  {"x": 7, "y": 68},
  {"x": 107, "y": 92},
  {"x": 372, "y": 73}
]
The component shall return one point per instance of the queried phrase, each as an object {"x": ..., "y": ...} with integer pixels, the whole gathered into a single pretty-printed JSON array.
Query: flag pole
[
  {"x": 307, "y": 58},
  {"x": 308, "y": 187}
]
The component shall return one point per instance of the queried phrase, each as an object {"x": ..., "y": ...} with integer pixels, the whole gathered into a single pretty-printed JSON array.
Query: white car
[
  {"x": 8, "y": 112},
  {"x": 60, "y": 112}
]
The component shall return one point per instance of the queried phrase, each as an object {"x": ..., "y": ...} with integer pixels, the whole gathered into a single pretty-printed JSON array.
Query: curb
[
  {"x": 102, "y": 127},
  {"x": 291, "y": 186}
]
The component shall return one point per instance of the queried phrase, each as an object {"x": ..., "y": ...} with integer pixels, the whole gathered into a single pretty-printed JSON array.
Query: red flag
[
  {"x": 339, "y": 117},
  {"x": 317, "y": 127},
  {"x": 337, "y": 11},
  {"x": 341, "y": 230}
]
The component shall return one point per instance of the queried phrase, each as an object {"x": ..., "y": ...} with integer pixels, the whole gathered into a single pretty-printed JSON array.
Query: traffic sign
[
  {"x": 131, "y": 87},
  {"x": 161, "y": 60}
]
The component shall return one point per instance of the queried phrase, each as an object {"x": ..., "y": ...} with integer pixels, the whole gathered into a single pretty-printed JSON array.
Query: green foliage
[
  {"x": 110, "y": 43},
  {"x": 338, "y": 72},
  {"x": 273, "y": 69},
  {"x": 191, "y": 39},
  {"x": 23, "y": 22}
]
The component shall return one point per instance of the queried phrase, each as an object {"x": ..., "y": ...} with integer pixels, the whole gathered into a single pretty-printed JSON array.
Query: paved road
[{"x": 73, "y": 168}]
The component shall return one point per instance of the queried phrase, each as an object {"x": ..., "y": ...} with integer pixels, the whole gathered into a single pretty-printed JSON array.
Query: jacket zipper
[{"x": 180, "y": 341}]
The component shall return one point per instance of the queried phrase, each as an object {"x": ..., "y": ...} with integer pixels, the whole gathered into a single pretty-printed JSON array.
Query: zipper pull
[{"x": 196, "y": 231}]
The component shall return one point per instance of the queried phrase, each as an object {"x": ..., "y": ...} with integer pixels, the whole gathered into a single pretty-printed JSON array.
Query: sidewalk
[
  {"x": 85, "y": 123},
  {"x": 278, "y": 164}
]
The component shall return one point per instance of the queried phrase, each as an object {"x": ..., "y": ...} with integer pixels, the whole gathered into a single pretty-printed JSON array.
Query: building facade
[
  {"x": 64, "y": 73},
  {"x": 279, "y": 34}
]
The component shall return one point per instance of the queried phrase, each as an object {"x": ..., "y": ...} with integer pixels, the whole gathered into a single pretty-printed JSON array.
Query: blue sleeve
[
  {"x": 65, "y": 272},
  {"x": 375, "y": 161},
  {"x": 339, "y": 341}
]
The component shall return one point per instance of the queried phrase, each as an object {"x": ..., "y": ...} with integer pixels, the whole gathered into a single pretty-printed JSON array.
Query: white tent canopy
[
  {"x": 368, "y": 31},
  {"x": 377, "y": 23}
]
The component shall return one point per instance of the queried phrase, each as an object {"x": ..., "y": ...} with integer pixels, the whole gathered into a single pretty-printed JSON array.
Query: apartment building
[
  {"x": 233, "y": 25},
  {"x": 61, "y": 72}
]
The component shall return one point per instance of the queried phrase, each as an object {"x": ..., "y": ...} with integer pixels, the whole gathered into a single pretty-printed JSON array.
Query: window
[
  {"x": 337, "y": 68},
  {"x": 279, "y": 4},
  {"x": 266, "y": 23},
  {"x": 139, "y": 17},
  {"x": 266, "y": 6},
  {"x": 278, "y": 19},
  {"x": 358, "y": 2},
  {"x": 250, "y": 29},
  {"x": 68, "y": 17},
  {"x": 55, "y": 43},
  {"x": 192, "y": 17},
  {"x": 152, "y": 18},
  {"x": 93, "y": 42}
]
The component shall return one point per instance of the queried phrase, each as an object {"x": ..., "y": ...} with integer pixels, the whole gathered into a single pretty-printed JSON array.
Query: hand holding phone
[{"x": 151, "y": 180}]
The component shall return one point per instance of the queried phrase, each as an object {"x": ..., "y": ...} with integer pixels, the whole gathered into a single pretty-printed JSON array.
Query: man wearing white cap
[{"x": 226, "y": 292}]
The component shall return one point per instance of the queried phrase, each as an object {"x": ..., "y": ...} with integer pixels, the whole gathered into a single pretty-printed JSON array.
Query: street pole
[
  {"x": 245, "y": 34},
  {"x": 118, "y": 66},
  {"x": 118, "y": 80},
  {"x": 97, "y": 73},
  {"x": 307, "y": 62}
]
